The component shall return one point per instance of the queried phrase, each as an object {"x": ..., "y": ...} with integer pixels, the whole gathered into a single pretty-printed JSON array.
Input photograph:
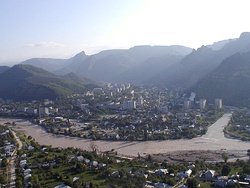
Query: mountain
[
  {"x": 145, "y": 71},
  {"x": 218, "y": 45},
  {"x": 176, "y": 66},
  {"x": 230, "y": 81},
  {"x": 48, "y": 64},
  {"x": 3, "y": 69},
  {"x": 116, "y": 65},
  {"x": 27, "y": 82},
  {"x": 201, "y": 62}
]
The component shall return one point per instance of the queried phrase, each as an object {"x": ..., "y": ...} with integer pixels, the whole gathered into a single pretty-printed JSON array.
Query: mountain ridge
[{"x": 27, "y": 82}]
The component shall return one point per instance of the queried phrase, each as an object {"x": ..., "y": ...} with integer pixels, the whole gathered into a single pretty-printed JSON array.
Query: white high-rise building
[
  {"x": 218, "y": 103},
  {"x": 203, "y": 104},
  {"x": 140, "y": 101},
  {"x": 187, "y": 104}
]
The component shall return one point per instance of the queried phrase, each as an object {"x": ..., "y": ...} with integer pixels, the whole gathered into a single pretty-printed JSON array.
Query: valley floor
[{"x": 214, "y": 141}]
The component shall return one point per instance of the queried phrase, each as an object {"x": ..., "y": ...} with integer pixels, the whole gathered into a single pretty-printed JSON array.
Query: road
[{"x": 12, "y": 164}]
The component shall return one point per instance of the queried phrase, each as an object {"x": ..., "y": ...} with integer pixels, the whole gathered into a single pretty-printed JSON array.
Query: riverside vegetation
[
  {"x": 239, "y": 126},
  {"x": 77, "y": 168}
]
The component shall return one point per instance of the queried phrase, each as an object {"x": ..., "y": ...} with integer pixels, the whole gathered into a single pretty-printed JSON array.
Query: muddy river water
[{"x": 214, "y": 139}]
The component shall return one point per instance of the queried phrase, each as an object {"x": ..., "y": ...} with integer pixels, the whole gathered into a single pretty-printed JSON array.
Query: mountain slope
[
  {"x": 26, "y": 82},
  {"x": 200, "y": 62},
  {"x": 3, "y": 69},
  {"x": 229, "y": 81},
  {"x": 113, "y": 65},
  {"x": 48, "y": 64}
]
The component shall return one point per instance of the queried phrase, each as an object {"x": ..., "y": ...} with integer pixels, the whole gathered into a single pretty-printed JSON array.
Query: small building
[
  {"x": 209, "y": 174},
  {"x": 79, "y": 158},
  {"x": 129, "y": 105},
  {"x": 161, "y": 172},
  {"x": 115, "y": 174},
  {"x": 94, "y": 163},
  {"x": 220, "y": 183}
]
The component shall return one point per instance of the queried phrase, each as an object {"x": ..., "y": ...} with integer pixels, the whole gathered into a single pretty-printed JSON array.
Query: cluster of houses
[
  {"x": 26, "y": 171},
  {"x": 8, "y": 148}
]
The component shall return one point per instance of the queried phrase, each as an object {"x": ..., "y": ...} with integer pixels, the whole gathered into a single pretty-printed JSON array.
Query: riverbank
[{"x": 214, "y": 140}]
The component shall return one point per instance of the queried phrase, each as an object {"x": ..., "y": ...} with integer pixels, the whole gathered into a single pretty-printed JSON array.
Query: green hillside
[{"x": 26, "y": 82}]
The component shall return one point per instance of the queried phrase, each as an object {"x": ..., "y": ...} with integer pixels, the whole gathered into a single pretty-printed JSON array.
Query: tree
[
  {"x": 246, "y": 169},
  {"x": 171, "y": 181},
  {"x": 248, "y": 153},
  {"x": 149, "y": 158},
  {"x": 225, "y": 170},
  {"x": 93, "y": 146},
  {"x": 4, "y": 162},
  {"x": 138, "y": 156},
  {"x": 225, "y": 157},
  {"x": 192, "y": 182},
  {"x": 3, "y": 178}
]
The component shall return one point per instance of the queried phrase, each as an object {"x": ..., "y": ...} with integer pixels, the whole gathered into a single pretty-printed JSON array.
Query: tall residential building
[
  {"x": 187, "y": 104},
  {"x": 43, "y": 111},
  {"x": 128, "y": 105},
  {"x": 218, "y": 103},
  {"x": 140, "y": 101},
  {"x": 203, "y": 104}
]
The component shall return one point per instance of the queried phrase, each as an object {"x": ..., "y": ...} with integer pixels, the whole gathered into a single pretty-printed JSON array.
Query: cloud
[{"x": 46, "y": 44}]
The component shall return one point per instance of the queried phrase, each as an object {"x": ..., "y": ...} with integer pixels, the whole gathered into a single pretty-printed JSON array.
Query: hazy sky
[{"x": 62, "y": 28}]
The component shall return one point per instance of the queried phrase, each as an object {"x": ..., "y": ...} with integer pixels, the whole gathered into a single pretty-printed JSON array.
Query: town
[{"x": 121, "y": 112}]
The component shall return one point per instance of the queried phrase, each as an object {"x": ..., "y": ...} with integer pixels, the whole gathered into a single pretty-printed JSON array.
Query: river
[{"x": 213, "y": 140}]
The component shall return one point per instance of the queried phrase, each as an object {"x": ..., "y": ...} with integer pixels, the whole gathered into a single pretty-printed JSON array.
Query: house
[
  {"x": 24, "y": 155},
  {"x": 94, "y": 163},
  {"x": 220, "y": 183},
  {"x": 115, "y": 174},
  {"x": 209, "y": 174},
  {"x": 183, "y": 186},
  {"x": 113, "y": 136},
  {"x": 101, "y": 165},
  {"x": 139, "y": 173},
  {"x": 161, "y": 172},
  {"x": 185, "y": 174},
  {"x": 27, "y": 171},
  {"x": 27, "y": 177},
  {"x": 86, "y": 161},
  {"x": 62, "y": 186},
  {"x": 148, "y": 186},
  {"x": 75, "y": 179},
  {"x": 188, "y": 172},
  {"x": 162, "y": 185},
  {"x": 30, "y": 148},
  {"x": 191, "y": 166},
  {"x": 231, "y": 182},
  {"x": 247, "y": 178},
  {"x": 79, "y": 158}
]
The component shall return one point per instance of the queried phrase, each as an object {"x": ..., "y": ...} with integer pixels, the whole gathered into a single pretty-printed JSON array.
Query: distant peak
[
  {"x": 245, "y": 35},
  {"x": 82, "y": 53}
]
